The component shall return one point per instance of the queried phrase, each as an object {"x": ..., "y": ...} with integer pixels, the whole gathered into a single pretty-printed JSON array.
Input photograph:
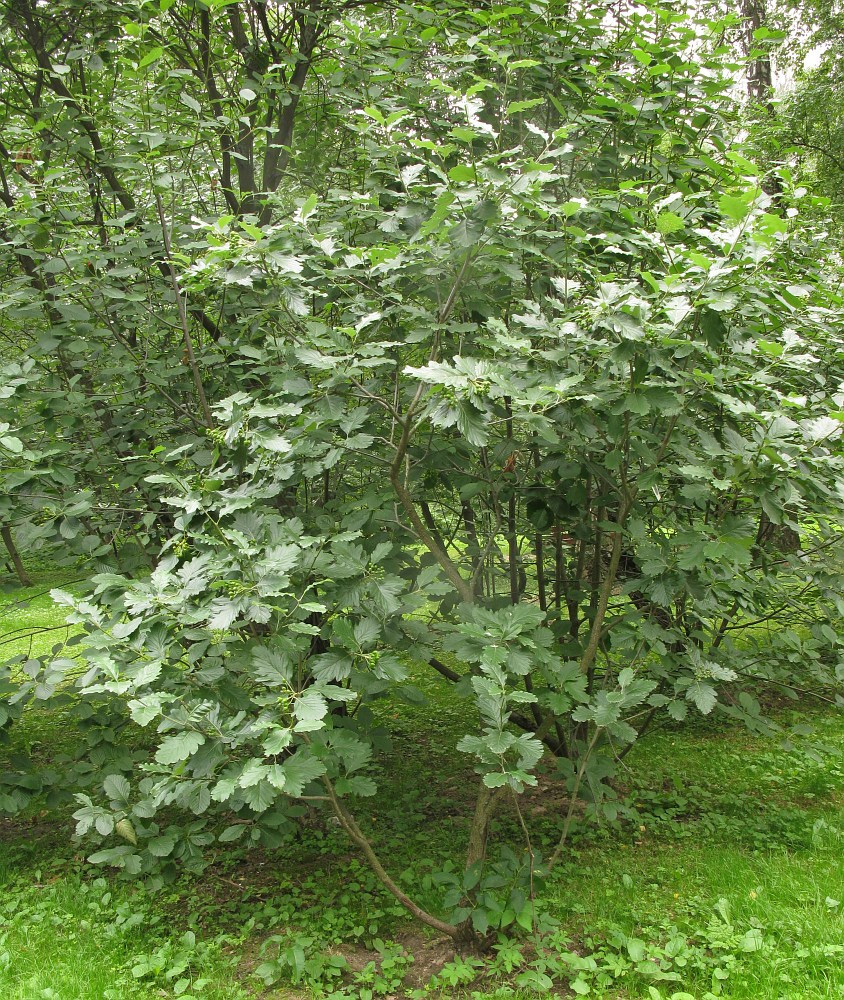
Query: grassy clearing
[
  {"x": 726, "y": 879},
  {"x": 84, "y": 938},
  {"x": 30, "y": 623}
]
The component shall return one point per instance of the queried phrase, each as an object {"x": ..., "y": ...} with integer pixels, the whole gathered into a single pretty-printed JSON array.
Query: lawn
[{"x": 723, "y": 876}]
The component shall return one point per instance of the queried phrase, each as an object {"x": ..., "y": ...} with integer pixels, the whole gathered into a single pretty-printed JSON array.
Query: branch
[
  {"x": 87, "y": 122},
  {"x": 444, "y": 670},
  {"x": 838, "y": 163},
  {"x": 464, "y": 588},
  {"x": 278, "y": 148},
  {"x": 349, "y": 824},
  {"x": 216, "y": 98},
  {"x": 573, "y": 802},
  {"x": 183, "y": 318},
  {"x": 605, "y": 593}
]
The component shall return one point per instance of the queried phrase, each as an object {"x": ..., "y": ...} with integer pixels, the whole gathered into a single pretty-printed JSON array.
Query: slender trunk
[
  {"x": 539, "y": 547},
  {"x": 540, "y": 572},
  {"x": 558, "y": 564},
  {"x": 513, "y": 551},
  {"x": 596, "y": 589},
  {"x": 15, "y": 556},
  {"x": 512, "y": 537},
  {"x": 430, "y": 521},
  {"x": 759, "y": 70},
  {"x": 605, "y": 593},
  {"x": 479, "y": 830},
  {"x": 476, "y": 852},
  {"x": 190, "y": 355},
  {"x": 760, "y": 82}
]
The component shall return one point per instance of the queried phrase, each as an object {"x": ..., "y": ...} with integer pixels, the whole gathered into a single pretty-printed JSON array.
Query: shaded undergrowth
[{"x": 720, "y": 876}]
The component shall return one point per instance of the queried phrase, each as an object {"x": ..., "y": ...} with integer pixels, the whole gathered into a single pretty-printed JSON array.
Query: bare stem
[
  {"x": 349, "y": 824},
  {"x": 605, "y": 593},
  {"x": 558, "y": 850},
  {"x": 183, "y": 318}
]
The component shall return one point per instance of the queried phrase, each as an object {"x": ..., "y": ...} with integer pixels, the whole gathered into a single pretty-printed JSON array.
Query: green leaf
[
  {"x": 439, "y": 214},
  {"x": 123, "y": 629},
  {"x": 144, "y": 710},
  {"x": 771, "y": 34},
  {"x": 524, "y": 918},
  {"x": 190, "y": 102},
  {"x": 260, "y": 797},
  {"x": 772, "y": 224},
  {"x": 307, "y": 208},
  {"x": 770, "y": 348},
  {"x": 180, "y": 747},
  {"x": 703, "y": 695},
  {"x": 516, "y": 106},
  {"x": 678, "y": 710},
  {"x": 310, "y": 708},
  {"x": 462, "y": 172},
  {"x": 12, "y": 444},
  {"x": 161, "y": 847},
  {"x": 253, "y": 772},
  {"x": 152, "y": 56},
  {"x": 636, "y": 949},
  {"x": 299, "y": 770},
  {"x": 734, "y": 208},
  {"x": 669, "y": 222},
  {"x": 272, "y": 666},
  {"x": 199, "y": 798},
  {"x": 356, "y": 785},
  {"x": 277, "y": 741},
  {"x": 752, "y": 940},
  {"x": 117, "y": 788}
]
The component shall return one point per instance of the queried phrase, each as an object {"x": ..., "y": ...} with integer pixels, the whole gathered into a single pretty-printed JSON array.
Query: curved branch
[{"x": 349, "y": 824}]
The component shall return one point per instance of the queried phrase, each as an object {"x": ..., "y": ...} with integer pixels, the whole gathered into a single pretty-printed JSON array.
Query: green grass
[
  {"x": 728, "y": 876},
  {"x": 75, "y": 938},
  {"x": 30, "y": 623}
]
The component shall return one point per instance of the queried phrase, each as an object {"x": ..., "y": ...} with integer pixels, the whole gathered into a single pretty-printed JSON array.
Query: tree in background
[{"x": 803, "y": 127}]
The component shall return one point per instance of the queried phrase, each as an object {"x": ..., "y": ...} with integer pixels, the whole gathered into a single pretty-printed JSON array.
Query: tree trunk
[
  {"x": 484, "y": 809},
  {"x": 760, "y": 78},
  {"x": 17, "y": 562},
  {"x": 467, "y": 937},
  {"x": 759, "y": 73}
]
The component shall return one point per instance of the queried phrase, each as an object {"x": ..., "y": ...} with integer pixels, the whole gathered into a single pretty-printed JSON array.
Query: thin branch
[
  {"x": 183, "y": 317},
  {"x": 573, "y": 801},
  {"x": 349, "y": 824}
]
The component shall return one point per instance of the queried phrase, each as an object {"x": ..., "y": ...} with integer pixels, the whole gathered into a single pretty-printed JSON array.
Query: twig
[
  {"x": 183, "y": 317},
  {"x": 530, "y": 856},
  {"x": 573, "y": 802}
]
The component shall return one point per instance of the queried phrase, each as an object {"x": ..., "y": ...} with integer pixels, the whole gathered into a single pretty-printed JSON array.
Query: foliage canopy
[{"x": 343, "y": 338}]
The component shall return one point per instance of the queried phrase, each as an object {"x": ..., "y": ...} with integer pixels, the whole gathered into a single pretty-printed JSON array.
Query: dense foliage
[{"x": 344, "y": 337}]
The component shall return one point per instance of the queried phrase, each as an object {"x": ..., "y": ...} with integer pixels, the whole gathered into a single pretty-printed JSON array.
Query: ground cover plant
[{"x": 444, "y": 370}]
